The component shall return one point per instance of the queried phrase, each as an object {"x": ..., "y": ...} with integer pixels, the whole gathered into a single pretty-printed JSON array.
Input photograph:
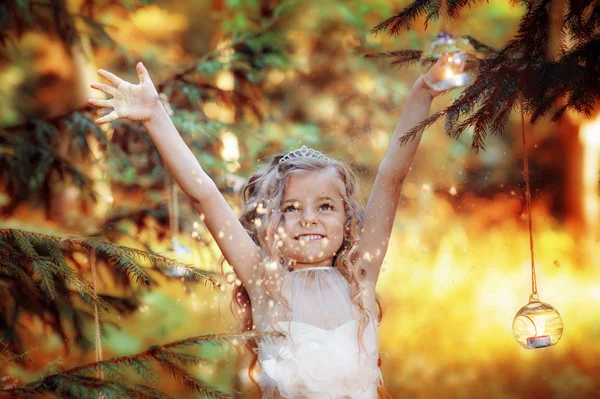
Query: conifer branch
[
  {"x": 520, "y": 68},
  {"x": 75, "y": 381},
  {"x": 124, "y": 258},
  {"x": 400, "y": 58},
  {"x": 395, "y": 24},
  {"x": 35, "y": 275},
  {"x": 33, "y": 161},
  {"x": 412, "y": 133}
]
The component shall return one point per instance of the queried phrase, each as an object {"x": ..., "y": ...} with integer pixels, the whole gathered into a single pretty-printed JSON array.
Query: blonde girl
[{"x": 307, "y": 255}]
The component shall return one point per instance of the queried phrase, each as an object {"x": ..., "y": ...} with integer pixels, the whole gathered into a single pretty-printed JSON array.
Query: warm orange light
[
  {"x": 448, "y": 73},
  {"x": 231, "y": 150},
  {"x": 225, "y": 81},
  {"x": 590, "y": 136}
]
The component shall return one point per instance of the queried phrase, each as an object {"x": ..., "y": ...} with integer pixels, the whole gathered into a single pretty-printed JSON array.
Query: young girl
[{"x": 306, "y": 253}]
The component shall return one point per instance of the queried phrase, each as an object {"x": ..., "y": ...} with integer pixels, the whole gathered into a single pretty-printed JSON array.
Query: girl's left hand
[
  {"x": 421, "y": 85},
  {"x": 439, "y": 70}
]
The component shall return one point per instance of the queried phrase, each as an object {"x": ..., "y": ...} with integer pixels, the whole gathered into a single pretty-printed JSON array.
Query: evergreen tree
[{"x": 551, "y": 63}]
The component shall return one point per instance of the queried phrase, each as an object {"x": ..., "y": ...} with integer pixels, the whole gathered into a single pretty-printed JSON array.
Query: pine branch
[
  {"x": 35, "y": 279},
  {"x": 431, "y": 8},
  {"x": 25, "y": 15},
  {"x": 124, "y": 258},
  {"x": 400, "y": 58},
  {"x": 33, "y": 162},
  {"x": 412, "y": 133},
  {"x": 7, "y": 357},
  {"x": 76, "y": 383},
  {"x": 395, "y": 24},
  {"x": 520, "y": 68},
  {"x": 16, "y": 262}
]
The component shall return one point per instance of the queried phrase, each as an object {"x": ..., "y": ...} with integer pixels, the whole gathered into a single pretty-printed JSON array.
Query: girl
[{"x": 307, "y": 255}]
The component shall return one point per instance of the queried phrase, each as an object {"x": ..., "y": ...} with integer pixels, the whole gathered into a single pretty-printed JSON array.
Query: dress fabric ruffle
[{"x": 320, "y": 356}]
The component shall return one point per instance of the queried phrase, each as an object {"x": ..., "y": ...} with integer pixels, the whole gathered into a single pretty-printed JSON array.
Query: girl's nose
[{"x": 308, "y": 218}]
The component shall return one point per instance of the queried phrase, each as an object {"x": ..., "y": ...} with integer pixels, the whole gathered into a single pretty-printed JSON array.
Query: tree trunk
[{"x": 580, "y": 141}]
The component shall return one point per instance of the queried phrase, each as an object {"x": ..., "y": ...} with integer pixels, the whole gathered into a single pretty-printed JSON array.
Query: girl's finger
[
  {"x": 113, "y": 116},
  {"x": 142, "y": 72},
  {"x": 101, "y": 103},
  {"x": 111, "y": 77},
  {"x": 104, "y": 88}
]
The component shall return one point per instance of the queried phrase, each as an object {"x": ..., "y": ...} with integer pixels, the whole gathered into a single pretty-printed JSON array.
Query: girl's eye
[
  {"x": 326, "y": 207},
  {"x": 290, "y": 208}
]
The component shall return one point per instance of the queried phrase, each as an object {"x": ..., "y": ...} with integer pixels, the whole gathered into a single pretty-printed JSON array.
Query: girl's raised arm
[
  {"x": 385, "y": 194},
  {"x": 141, "y": 103}
]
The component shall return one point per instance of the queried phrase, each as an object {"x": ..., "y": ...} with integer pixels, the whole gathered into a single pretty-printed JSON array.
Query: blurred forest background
[{"x": 246, "y": 79}]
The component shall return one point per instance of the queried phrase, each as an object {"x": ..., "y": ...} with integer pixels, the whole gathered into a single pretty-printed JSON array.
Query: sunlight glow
[
  {"x": 590, "y": 136},
  {"x": 225, "y": 81},
  {"x": 231, "y": 148},
  {"x": 448, "y": 73}
]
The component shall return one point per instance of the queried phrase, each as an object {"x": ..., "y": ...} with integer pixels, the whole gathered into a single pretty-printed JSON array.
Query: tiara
[{"x": 304, "y": 152}]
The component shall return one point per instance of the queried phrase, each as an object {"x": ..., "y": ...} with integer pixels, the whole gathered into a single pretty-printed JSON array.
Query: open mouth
[{"x": 309, "y": 237}]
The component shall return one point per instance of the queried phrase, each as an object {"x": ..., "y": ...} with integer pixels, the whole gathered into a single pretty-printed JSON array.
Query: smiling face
[{"x": 314, "y": 217}]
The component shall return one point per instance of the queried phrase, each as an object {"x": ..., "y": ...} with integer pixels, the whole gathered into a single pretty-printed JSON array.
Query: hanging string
[
  {"x": 528, "y": 199},
  {"x": 172, "y": 204},
  {"x": 169, "y": 200},
  {"x": 444, "y": 16},
  {"x": 175, "y": 209},
  {"x": 99, "y": 372}
]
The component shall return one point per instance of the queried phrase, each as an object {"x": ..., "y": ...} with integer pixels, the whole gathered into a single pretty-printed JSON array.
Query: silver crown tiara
[{"x": 304, "y": 151}]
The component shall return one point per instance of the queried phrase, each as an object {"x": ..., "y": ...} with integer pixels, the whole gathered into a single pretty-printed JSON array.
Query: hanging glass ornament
[
  {"x": 537, "y": 324},
  {"x": 449, "y": 62}
]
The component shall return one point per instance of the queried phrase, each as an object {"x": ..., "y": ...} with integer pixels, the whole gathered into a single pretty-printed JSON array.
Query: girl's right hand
[{"x": 135, "y": 102}]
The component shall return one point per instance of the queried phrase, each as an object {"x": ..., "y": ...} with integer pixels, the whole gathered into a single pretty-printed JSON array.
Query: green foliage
[
  {"x": 31, "y": 165},
  {"x": 37, "y": 278},
  {"x": 174, "y": 357},
  {"x": 210, "y": 66},
  {"x": 80, "y": 125},
  {"x": 522, "y": 69},
  {"x": 19, "y": 16},
  {"x": 31, "y": 161}
]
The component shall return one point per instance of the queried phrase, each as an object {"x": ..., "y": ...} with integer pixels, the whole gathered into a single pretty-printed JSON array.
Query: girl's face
[{"x": 314, "y": 217}]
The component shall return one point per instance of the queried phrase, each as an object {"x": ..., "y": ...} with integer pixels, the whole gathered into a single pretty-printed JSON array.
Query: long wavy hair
[{"x": 262, "y": 218}]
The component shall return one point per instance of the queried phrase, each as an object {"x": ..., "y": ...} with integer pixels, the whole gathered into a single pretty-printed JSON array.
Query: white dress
[{"x": 320, "y": 356}]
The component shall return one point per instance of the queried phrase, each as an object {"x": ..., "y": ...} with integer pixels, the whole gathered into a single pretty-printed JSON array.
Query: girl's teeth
[{"x": 309, "y": 238}]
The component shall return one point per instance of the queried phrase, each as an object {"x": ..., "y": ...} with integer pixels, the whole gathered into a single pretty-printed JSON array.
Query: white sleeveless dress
[{"x": 320, "y": 356}]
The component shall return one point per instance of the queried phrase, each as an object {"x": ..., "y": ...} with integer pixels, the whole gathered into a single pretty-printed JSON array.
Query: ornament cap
[{"x": 534, "y": 297}]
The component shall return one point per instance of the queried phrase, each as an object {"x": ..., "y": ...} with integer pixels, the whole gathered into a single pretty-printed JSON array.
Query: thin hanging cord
[
  {"x": 168, "y": 187},
  {"x": 528, "y": 199},
  {"x": 175, "y": 208},
  {"x": 172, "y": 204},
  {"x": 99, "y": 373},
  {"x": 444, "y": 12}
]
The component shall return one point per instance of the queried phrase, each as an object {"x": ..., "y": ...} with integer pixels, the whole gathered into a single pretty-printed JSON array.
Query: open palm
[{"x": 134, "y": 102}]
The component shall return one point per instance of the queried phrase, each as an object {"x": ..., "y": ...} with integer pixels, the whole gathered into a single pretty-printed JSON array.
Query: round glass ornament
[
  {"x": 458, "y": 64},
  {"x": 537, "y": 325}
]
